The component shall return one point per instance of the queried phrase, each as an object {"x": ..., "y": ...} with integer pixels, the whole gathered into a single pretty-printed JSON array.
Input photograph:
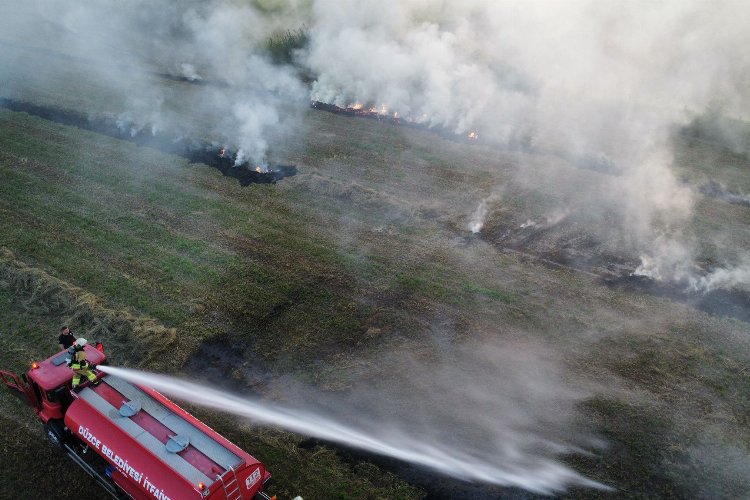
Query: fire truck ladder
[{"x": 231, "y": 487}]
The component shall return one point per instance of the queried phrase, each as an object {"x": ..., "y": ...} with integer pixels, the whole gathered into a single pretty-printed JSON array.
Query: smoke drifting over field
[
  {"x": 590, "y": 81},
  {"x": 132, "y": 43},
  {"x": 478, "y": 217},
  {"x": 599, "y": 83}
]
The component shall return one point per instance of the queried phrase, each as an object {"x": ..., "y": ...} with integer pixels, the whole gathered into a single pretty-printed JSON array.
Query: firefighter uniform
[{"x": 80, "y": 366}]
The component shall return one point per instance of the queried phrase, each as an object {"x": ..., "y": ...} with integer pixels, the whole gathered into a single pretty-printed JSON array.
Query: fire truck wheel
[{"x": 55, "y": 431}]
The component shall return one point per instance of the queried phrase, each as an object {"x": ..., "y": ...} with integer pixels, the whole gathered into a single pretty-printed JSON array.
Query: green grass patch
[
  {"x": 506, "y": 297},
  {"x": 282, "y": 45}
]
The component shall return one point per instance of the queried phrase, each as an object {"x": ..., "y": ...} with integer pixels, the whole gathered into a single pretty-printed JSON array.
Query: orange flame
[{"x": 383, "y": 112}]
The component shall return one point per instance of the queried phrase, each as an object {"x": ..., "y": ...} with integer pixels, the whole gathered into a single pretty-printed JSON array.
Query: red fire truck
[{"x": 132, "y": 440}]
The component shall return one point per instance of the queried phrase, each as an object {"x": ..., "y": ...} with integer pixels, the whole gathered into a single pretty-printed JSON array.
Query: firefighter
[
  {"x": 79, "y": 364},
  {"x": 66, "y": 338}
]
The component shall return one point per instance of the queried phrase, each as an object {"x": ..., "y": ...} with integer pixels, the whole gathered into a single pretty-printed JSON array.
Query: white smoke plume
[
  {"x": 671, "y": 261},
  {"x": 478, "y": 217},
  {"x": 728, "y": 278},
  {"x": 582, "y": 79},
  {"x": 551, "y": 219},
  {"x": 217, "y": 42},
  {"x": 188, "y": 71}
]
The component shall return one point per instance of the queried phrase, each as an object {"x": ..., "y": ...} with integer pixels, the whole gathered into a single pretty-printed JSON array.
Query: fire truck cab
[{"x": 132, "y": 440}]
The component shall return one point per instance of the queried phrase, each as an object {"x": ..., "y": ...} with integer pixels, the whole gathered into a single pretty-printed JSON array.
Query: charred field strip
[
  {"x": 581, "y": 253},
  {"x": 714, "y": 189},
  {"x": 369, "y": 113},
  {"x": 213, "y": 155},
  {"x": 726, "y": 303}
]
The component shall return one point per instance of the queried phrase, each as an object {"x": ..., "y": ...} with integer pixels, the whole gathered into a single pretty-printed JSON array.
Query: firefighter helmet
[{"x": 81, "y": 342}]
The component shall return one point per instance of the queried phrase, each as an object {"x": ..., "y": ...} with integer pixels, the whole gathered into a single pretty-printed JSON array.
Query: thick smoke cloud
[
  {"x": 595, "y": 83},
  {"x": 590, "y": 81},
  {"x": 128, "y": 44}
]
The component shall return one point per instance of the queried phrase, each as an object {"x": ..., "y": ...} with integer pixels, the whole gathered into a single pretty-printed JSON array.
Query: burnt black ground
[
  {"x": 728, "y": 303},
  {"x": 717, "y": 190},
  {"x": 569, "y": 248},
  {"x": 388, "y": 118},
  {"x": 194, "y": 150}
]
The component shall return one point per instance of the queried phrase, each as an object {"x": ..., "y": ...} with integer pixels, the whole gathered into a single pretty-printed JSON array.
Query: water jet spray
[{"x": 546, "y": 477}]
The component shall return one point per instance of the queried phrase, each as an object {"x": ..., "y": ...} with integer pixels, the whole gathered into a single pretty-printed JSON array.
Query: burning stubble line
[{"x": 545, "y": 477}]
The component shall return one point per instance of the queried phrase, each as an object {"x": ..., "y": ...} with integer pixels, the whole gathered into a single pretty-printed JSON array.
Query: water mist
[{"x": 545, "y": 476}]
